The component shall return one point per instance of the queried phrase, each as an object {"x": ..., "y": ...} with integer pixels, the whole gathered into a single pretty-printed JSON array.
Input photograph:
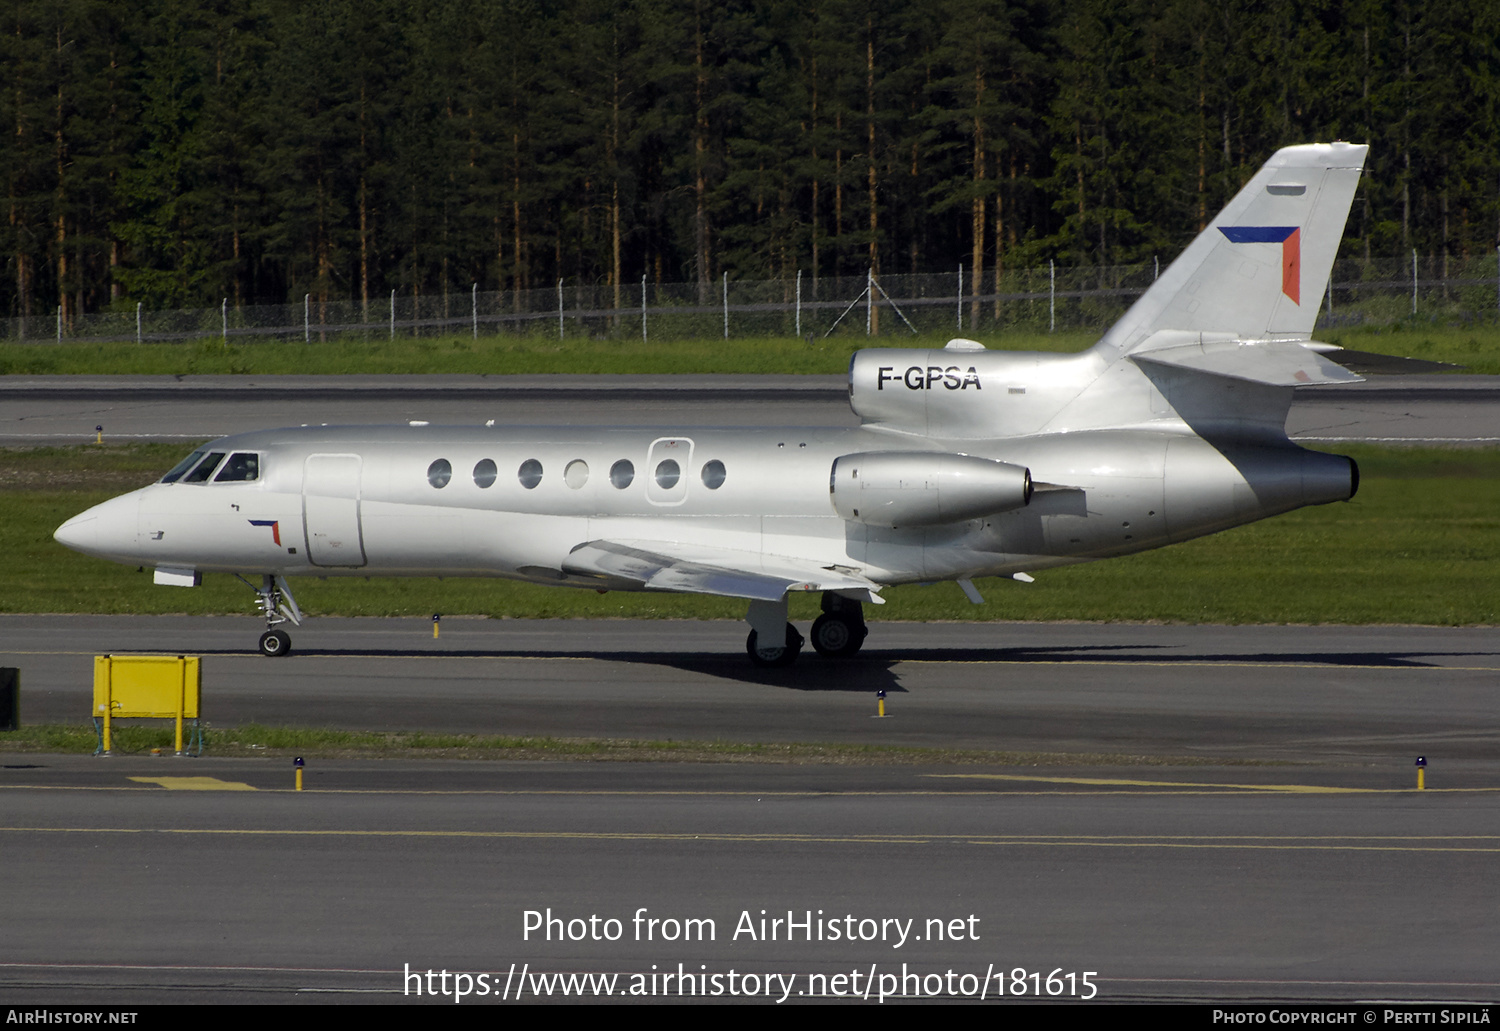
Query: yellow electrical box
[{"x": 145, "y": 687}]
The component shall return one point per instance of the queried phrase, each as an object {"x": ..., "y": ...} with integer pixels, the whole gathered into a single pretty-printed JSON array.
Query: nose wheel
[
  {"x": 274, "y": 599},
  {"x": 275, "y": 642}
]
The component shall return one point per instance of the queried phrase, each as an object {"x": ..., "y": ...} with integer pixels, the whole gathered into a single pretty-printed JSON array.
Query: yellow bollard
[
  {"x": 881, "y": 696},
  {"x": 298, "y": 763},
  {"x": 1421, "y": 773},
  {"x": 98, "y": 434},
  {"x": 435, "y": 617}
]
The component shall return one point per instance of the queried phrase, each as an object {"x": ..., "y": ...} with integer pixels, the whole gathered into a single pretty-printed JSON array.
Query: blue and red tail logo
[{"x": 1290, "y": 238}]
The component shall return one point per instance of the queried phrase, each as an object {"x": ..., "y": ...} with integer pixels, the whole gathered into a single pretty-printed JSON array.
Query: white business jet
[{"x": 968, "y": 462}]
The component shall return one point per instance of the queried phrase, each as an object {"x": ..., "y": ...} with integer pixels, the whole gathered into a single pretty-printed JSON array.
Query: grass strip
[
  {"x": 1420, "y": 544},
  {"x": 1477, "y": 347},
  {"x": 260, "y": 741}
]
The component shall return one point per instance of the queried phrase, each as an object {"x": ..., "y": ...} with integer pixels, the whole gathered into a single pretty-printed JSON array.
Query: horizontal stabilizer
[
  {"x": 718, "y": 571},
  {"x": 1279, "y": 363},
  {"x": 1368, "y": 363}
]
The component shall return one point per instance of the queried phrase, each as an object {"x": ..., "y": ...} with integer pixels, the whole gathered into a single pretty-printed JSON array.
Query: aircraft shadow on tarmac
[{"x": 876, "y": 669}]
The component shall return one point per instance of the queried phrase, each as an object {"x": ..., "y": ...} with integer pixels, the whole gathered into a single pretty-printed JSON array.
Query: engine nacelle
[
  {"x": 963, "y": 391},
  {"x": 924, "y": 488}
]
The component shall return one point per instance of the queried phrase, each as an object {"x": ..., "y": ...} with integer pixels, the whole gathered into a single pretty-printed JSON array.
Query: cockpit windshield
[
  {"x": 242, "y": 466},
  {"x": 182, "y": 467},
  {"x": 200, "y": 466},
  {"x": 204, "y": 469}
]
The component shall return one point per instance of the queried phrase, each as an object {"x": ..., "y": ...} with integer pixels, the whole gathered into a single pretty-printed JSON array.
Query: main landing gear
[
  {"x": 838, "y": 633},
  {"x": 274, "y": 599}
]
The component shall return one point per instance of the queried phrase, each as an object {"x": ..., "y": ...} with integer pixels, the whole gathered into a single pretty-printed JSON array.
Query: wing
[{"x": 670, "y": 566}]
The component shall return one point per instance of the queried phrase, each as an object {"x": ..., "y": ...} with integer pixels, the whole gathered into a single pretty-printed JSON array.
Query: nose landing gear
[
  {"x": 275, "y": 642},
  {"x": 274, "y": 599}
]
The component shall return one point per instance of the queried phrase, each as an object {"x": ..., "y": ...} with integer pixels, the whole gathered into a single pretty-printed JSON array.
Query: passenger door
[{"x": 330, "y": 510}]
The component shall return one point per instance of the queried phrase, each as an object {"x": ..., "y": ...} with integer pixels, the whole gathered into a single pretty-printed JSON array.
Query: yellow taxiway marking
[
  {"x": 194, "y": 783},
  {"x": 1280, "y": 843}
]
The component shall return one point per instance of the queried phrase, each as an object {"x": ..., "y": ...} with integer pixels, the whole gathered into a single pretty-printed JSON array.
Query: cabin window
[
  {"x": 181, "y": 467},
  {"x": 668, "y": 473},
  {"x": 713, "y": 475},
  {"x": 204, "y": 469},
  {"x": 439, "y": 473},
  {"x": 241, "y": 467},
  {"x": 621, "y": 474},
  {"x": 530, "y": 473},
  {"x": 576, "y": 474},
  {"x": 485, "y": 473}
]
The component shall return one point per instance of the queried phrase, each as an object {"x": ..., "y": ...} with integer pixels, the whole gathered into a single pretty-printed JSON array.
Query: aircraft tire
[
  {"x": 837, "y": 636},
  {"x": 768, "y": 657},
  {"x": 274, "y": 643}
]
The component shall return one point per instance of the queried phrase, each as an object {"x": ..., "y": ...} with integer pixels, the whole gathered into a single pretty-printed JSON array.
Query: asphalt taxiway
[
  {"x": 1410, "y": 410},
  {"x": 1305, "y": 694},
  {"x": 1241, "y": 822}
]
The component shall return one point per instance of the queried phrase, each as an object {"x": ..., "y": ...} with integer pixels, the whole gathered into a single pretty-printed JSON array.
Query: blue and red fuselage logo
[
  {"x": 274, "y": 524},
  {"x": 1290, "y": 238}
]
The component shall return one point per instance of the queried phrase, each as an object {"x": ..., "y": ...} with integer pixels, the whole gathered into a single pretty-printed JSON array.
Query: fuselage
[{"x": 513, "y": 502}]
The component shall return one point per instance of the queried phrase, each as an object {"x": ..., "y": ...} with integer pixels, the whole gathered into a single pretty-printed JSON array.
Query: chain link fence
[{"x": 1375, "y": 291}]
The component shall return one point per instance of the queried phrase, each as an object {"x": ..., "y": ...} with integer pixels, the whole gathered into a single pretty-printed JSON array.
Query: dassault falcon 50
[{"x": 968, "y": 462}]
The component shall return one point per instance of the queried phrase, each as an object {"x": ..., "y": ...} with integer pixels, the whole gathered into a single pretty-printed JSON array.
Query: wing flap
[{"x": 697, "y": 570}]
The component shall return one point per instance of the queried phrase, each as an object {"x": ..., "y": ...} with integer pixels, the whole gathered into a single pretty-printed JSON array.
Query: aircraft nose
[
  {"x": 79, "y": 532},
  {"x": 109, "y": 530}
]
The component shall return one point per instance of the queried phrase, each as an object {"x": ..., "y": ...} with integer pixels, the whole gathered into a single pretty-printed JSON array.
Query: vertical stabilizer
[{"x": 1260, "y": 269}]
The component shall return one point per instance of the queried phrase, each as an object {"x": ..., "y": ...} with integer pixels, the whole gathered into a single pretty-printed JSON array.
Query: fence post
[
  {"x": 726, "y": 305},
  {"x": 224, "y": 320},
  {"x": 1414, "y": 281},
  {"x": 799, "y": 304},
  {"x": 59, "y": 323},
  {"x": 307, "y": 318},
  {"x": 393, "y": 315},
  {"x": 869, "y": 299},
  {"x": 137, "y": 321},
  {"x": 474, "y": 293},
  {"x": 559, "y": 310},
  {"x": 960, "y": 297},
  {"x": 1051, "y": 296},
  {"x": 643, "y": 307}
]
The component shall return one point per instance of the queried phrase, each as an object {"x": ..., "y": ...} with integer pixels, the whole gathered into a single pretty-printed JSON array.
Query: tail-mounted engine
[
  {"x": 963, "y": 391},
  {"x": 924, "y": 488}
]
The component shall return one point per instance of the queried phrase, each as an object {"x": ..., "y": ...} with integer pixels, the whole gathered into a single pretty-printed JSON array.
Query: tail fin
[{"x": 1259, "y": 270}]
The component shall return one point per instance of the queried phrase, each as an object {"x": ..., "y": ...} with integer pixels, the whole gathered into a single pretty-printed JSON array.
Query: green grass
[
  {"x": 256, "y": 740},
  {"x": 1476, "y": 347},
  {"x": 494, "y": 355},
  {"x": 1419, "y": 544}
]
